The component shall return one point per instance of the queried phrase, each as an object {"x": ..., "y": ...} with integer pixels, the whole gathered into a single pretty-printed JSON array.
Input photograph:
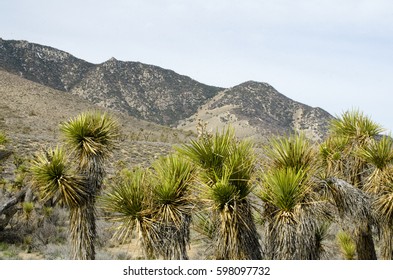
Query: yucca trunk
[
  {"x": 387, "y": 240},
  {"x": 83, "y": 218},
  {"x": 365, "y": 247},
  {"x": 281, "y": 244},
  {"x": 237, "y": 237},
  {"x": 292, "y": 238},
  {"x": 143, "y": 227},
  {"x": 354, "y": 207},
  {"x": 83, "y": 232},
  {"x": 173, "y": 240}
]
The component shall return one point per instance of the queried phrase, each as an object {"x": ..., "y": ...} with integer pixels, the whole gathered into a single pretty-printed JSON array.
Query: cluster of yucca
[
  {"x": 155, "y": 203},
  {"x": 299, "y": 189}
]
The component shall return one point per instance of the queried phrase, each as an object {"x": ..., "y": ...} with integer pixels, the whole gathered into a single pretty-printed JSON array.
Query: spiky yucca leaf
[
  {"x": 383, "y": 205},
  {"x": 295, "y": 152},
  {"x": 241, "y": 163},
  {"x": 380, "y": 155},
  {"x": 355, "y": 125},
  {"x": 210, "y": 153},
  {"x": 55, "y": 179},
  {"x": 91, "y": 134},
  {"x": 174, "y": 177},
  {"x": 129, "y": 198},
  {"x": 285, "y": 189},
  {"x": 205, "y": 225},
  {"x": 223, "y": 192},
  {"x": 333, "y": 154},
  {"x": 321, "y": 236},
  {"x": 3, "y": 138}
]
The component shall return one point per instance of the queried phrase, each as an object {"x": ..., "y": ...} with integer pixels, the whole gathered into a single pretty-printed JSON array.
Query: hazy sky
[{"x": 334, "y": 54}]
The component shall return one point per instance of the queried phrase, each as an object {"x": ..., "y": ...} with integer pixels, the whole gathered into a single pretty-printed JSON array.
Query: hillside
[
  {"x": 162, "y": 96},
  {"x": 144, "y": 91},
  {"x": 30, "y": 115},
  {"x": 258, "y": 110}
]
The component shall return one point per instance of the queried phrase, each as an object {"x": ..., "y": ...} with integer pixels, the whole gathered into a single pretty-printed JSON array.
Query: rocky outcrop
[{"x": 258, "y": 109}]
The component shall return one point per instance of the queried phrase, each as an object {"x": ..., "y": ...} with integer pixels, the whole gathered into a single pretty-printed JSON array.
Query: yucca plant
[
  {"x": 56, "y": 180},
  {"x": 91, "y": 136},
  {"x": 379, "y": 154},
  {"x": 355, "y": 125},
  {"x": 227, "y": 166},
  {"x": 379, "y": 184},
  {"x": 292, "y": 209},
  {"x": 28, "y": 208},
  {"x": 321, "y": 237},
  {"x": 332, "y": 156},
  {"x": 359, "y": 131},
  {"x": 291, "y": 214},
  {"x": 128, "y": 203},
  {"x": 173, "y": 203},
  {"x": 347, "y": 245}
]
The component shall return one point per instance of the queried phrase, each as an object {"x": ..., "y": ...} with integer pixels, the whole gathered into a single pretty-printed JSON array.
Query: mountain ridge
[{"x": 162, "y": 96}]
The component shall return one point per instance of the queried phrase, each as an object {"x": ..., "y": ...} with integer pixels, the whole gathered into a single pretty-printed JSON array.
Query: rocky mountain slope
[
  {"x": 162, "y": 96},
  {"x": 144, "y": 91},
  {"x": 257, "y": 109}
]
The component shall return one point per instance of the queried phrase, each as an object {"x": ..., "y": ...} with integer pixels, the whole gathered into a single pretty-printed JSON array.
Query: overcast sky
[{"x": 333, "y": 54}]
